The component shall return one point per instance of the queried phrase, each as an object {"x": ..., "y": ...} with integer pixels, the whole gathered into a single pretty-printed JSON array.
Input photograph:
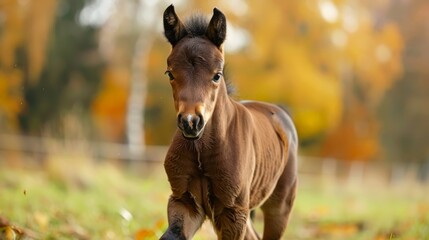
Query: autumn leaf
[
  {"x": 10, "y": 232},
  {"x": 339, "y": 230},
  {"x": 145, "y": 234},
  {"x": 41, "y": 219}
]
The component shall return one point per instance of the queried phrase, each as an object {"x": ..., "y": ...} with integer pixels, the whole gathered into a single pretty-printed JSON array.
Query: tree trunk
[{"x": 136, "y": 100}]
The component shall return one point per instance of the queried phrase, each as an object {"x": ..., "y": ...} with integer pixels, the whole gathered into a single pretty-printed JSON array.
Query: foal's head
[{"x": 195, "y": 68}]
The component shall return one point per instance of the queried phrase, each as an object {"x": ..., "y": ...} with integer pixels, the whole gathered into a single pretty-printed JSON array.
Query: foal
[{"x": 227, "y": 157}]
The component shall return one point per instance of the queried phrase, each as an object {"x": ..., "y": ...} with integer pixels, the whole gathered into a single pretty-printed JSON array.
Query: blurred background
[{"x": 82, "y": 88}]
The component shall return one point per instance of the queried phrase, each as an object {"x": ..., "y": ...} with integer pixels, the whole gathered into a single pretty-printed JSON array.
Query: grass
[
  {"x": 361, "y": 212},
  {"x": 70, "y": 197},
  {"x": 69, "y": 200}
]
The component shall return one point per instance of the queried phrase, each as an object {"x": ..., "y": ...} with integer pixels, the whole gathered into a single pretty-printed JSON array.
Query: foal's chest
[
  {"x": 214, "y": 179},
  {"x": 201, "y": 191},
  {"x": 213, "y": 188}
]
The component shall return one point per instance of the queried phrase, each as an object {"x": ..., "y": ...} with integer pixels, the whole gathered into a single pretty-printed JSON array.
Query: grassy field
[{"x": 87, "y": 201}]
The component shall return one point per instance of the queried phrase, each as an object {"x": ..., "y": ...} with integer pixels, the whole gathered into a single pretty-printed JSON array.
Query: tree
[
  {"x": 70, "y": 76},
  {"x": 25, "y": 31},
  {"x": 129, "y": 33},
  {"x": 404, "y": 113},
  {"x": 370, "y": 65},
  {"x": 315, "y": 58}
]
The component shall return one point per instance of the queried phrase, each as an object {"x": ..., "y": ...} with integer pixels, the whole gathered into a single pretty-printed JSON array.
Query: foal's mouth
[{"x": 193, "y": 135}]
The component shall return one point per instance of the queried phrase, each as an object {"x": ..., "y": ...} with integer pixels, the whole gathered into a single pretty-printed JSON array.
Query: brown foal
[{"x": 227, "y": 157}]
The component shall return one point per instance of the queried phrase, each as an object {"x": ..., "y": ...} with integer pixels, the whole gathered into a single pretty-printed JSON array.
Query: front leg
[
  {"x": 231, "y": 223},
  {"x": 184, "y": 218}
]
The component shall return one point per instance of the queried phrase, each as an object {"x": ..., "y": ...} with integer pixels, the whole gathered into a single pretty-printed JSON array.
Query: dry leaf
[
  {"x": 145, "y": 234},
  {"x": 41, "y": 219}
]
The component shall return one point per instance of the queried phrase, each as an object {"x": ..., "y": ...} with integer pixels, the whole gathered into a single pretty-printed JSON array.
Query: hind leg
[{"x": 277, "y": 208}]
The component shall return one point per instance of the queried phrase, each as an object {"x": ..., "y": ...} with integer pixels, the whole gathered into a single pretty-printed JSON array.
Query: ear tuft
[
  {"x": 174, "y": 30},
  {"x": 216, "y": 31}
]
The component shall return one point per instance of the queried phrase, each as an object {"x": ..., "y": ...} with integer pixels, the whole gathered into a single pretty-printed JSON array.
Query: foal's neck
[{"x": 223, "y": 114}]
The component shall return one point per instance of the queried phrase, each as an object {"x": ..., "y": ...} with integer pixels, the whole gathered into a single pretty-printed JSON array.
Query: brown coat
[{"x": 227, "y": 157}]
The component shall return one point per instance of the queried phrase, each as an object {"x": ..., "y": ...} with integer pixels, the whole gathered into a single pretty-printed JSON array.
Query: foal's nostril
[
  {"x": 181, "y": 123},
  {"x": 195, "y": 122},
  {"x": 199, "y": 125}
]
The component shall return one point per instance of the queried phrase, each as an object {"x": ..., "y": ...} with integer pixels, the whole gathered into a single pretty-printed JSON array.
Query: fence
[
  {"x": 309, "y": 167},
  {"x": 98, "y": 150}
]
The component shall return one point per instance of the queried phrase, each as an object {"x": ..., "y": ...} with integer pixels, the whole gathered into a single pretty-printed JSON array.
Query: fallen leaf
[
  {"x": 8, "y": 233},
  {"x": 341, "y": 229},
  {"x": 41, "y": 219},
  {"x": 11, "y": 233},
  {"x": 333, "y": 229},
  {"x": 387, "y": 235},
  {"x": 145, "y": 234}
]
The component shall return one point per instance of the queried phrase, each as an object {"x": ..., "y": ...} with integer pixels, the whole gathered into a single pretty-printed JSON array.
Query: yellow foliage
[
  {"x": 10, "y": 94},
  {"x": 310, "y": 91},
  {"x": 375, "y": 57},
  {"x": 12, "y": 33},
  {"x": 283, "y": 67},
  {"x": 309, "y": 122},
  {"x": 25, "y": 24},
  {"x": 355, "y": 138},
  {"x": 295, "y": 58},
  {"x": 39, "y": 21},
  {"x": 299, "y": 59}
]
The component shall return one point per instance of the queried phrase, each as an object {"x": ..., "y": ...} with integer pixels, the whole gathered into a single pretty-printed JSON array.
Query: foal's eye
[
  {"x": 170, "y": 75},
  {"x": 217, "y": 77}
]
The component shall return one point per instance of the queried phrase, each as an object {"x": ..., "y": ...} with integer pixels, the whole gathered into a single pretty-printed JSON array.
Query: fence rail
[
  {"x": 309, "y": 166},
  {"x": 98, "y": 150}
]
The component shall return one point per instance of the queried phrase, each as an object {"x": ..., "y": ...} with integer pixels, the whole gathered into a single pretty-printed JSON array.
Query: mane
[
  {"x": 196, "y": 26},
  {"x": 230, "y": 88}
]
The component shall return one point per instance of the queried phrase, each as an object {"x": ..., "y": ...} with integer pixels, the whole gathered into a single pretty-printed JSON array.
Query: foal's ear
[
  {"x": 174, "y": 30},
  {"x": 216, "y": 31}
]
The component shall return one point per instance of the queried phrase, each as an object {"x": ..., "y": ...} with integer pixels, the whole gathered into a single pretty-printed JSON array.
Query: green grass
[
  {"x": 361, "y": 213},
  {"x": 83, "y": 206},
  {"x": 87, "y": 201}
]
